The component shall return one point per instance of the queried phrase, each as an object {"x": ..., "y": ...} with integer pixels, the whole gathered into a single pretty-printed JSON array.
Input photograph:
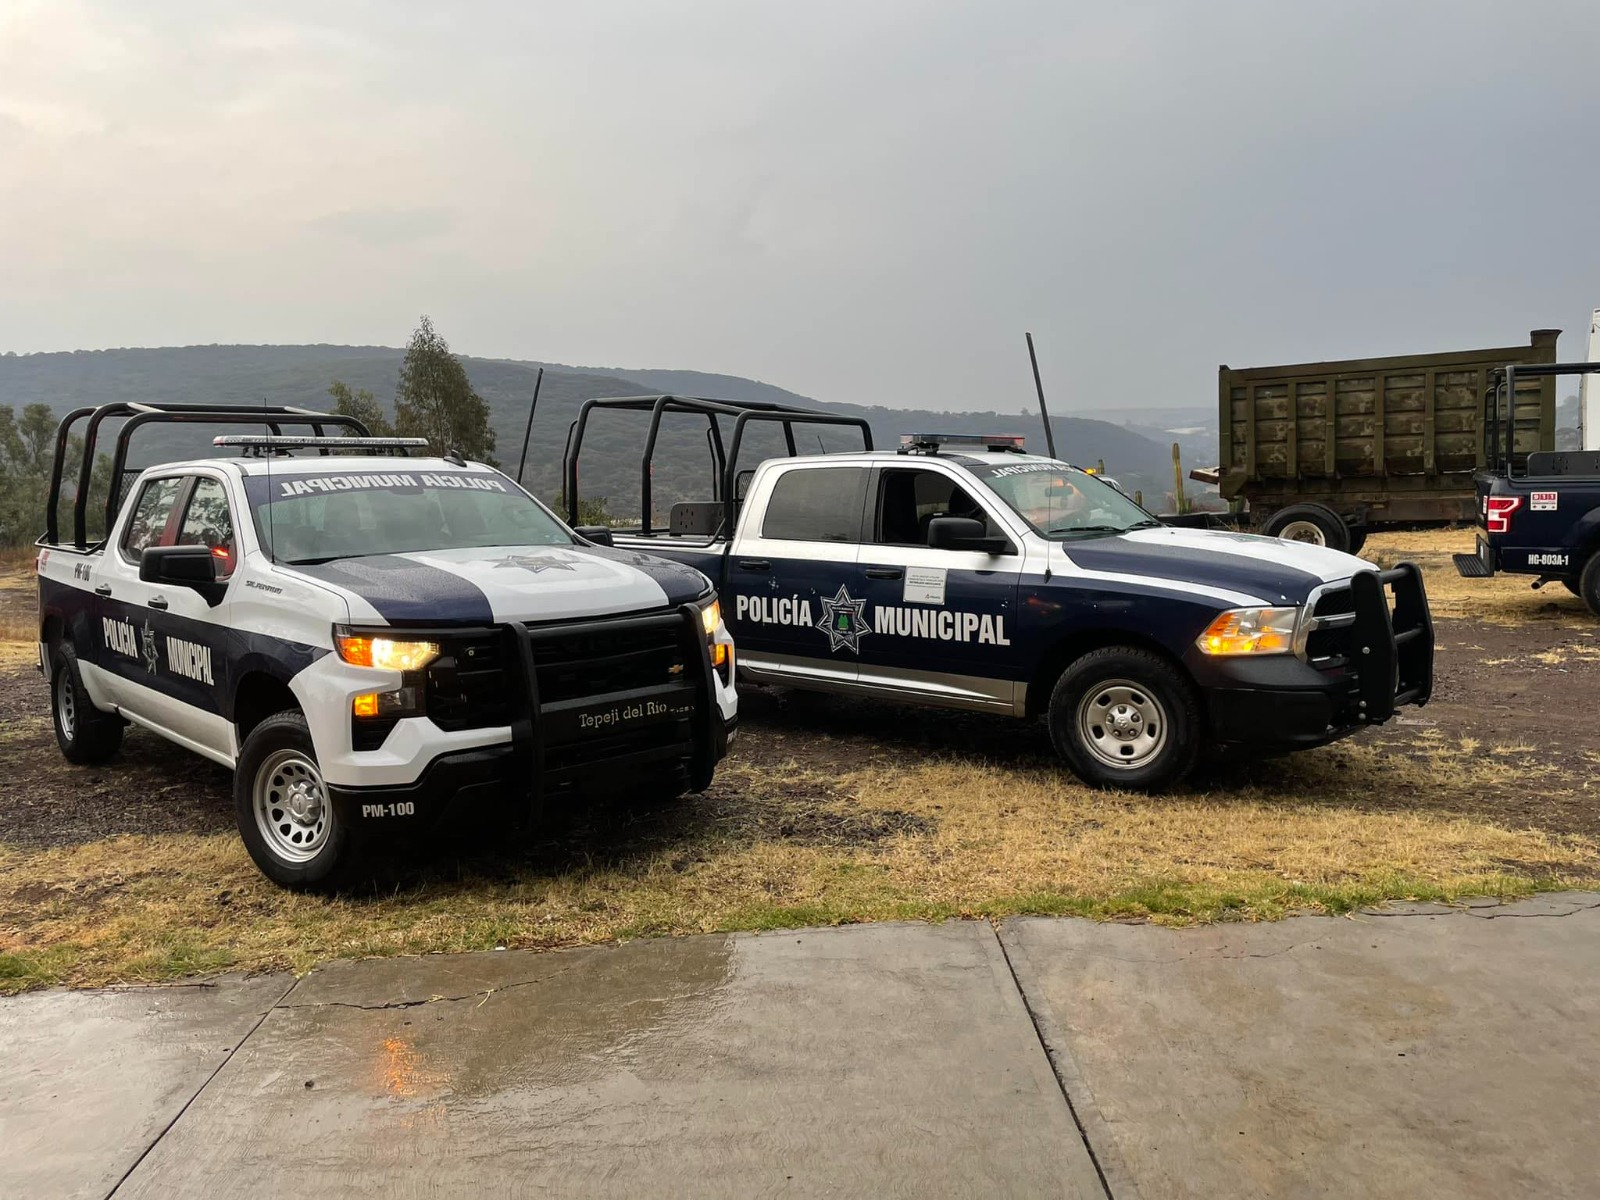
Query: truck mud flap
[{"x": 1392, "y": 649}]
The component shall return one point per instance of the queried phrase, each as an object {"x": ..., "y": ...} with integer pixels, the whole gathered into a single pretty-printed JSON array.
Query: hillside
[{"x": 300, "y": 375}]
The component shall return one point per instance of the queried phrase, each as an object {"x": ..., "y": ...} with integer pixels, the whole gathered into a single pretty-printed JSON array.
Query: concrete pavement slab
[
  {"x": 878, "y": 1060},
  {"x": 1399, "y": 1054},
  {"x": 88, "y": 1080}
]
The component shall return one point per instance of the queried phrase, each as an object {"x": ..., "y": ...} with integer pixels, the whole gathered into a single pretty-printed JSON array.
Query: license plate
[{"x": 588, "y": 720}]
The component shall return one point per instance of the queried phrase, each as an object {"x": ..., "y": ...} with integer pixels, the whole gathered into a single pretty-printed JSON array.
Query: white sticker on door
[
  {"x": 1543, "y": 501},
  {"x": 924, "y": 585}
]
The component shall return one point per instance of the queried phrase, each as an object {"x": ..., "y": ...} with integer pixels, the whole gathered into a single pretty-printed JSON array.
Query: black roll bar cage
[
  {"x": 725, "y": 461},
  {"x": 274, "y": 416},
  {"x": 1502, "y": 404}
]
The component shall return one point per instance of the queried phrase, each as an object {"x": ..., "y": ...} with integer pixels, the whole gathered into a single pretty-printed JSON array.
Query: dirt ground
[
  {"x": 831, "y": 810},
  {"x": 1514, "y": 698}
]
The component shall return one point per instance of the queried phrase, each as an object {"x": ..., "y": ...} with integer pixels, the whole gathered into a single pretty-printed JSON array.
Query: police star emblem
[
  {"x": 149, "y": 644},
  {"x": 843, "y": 621},
  {"x": 536, "y": 562}
]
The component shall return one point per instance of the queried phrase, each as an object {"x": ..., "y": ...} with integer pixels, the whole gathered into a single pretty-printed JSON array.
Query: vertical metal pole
[
  {"x": 1038, "y": 386},
  {"x": 528, "y": 432}
]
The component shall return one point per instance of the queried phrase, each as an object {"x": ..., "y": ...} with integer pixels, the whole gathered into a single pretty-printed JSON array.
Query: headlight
[
  {"x": 391, "y": 654},
  {"x": 1251, "y": 631},
  {"x": 711, "y": 617}
]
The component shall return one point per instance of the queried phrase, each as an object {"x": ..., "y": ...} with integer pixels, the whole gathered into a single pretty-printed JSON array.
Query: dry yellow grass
[
  {"x": 977, "y": 840},
  {"x": 1502, "y": 600},
  {"x": 973, "y": 840}
]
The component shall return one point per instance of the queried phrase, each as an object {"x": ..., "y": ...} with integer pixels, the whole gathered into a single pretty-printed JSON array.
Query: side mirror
[
  {"x": 183, "y": 566},
  {"x": 598, "y": 534},
  {"x": 964, "y": 533}
]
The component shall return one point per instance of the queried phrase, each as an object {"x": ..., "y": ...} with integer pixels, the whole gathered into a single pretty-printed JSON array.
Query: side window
[
  {"x": 817, "y": 504},
  {"x": 151, "y": 513},
  {"x": 209, "y": 522},
  {"x": 909, "y": 500}
]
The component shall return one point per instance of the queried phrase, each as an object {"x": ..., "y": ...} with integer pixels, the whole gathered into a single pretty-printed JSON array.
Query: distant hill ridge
[{"x": 300, "y": 375}]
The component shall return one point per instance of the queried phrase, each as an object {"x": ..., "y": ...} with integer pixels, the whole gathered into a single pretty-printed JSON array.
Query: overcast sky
[{"x": 865, "y": 201}]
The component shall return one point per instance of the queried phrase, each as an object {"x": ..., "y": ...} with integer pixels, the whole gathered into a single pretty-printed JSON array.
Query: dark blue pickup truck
[
  {"x": 976, "y": 576},
  {"x": 1539, "y": 513}
]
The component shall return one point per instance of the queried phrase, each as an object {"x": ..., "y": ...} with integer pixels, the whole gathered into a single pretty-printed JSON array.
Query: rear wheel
[
  {"x": 86, "y": 735},
  {"x": 283, "y": 809},
  {"x": 1125, "y": 718},
  {"x": 1589, "y": 583},
  {"x": 1312, "y": 523}
]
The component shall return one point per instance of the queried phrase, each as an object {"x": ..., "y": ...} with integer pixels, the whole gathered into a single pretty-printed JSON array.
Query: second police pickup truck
[
  {"x": 374, "y": 643},
  {"x": 965, "y": 573}
]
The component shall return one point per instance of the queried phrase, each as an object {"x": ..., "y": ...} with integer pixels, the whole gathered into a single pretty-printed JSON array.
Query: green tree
[
  {"x": 435, "y": 400},
  {"x": 27, "y": 448},
  {"x": 363, "y": 406}
]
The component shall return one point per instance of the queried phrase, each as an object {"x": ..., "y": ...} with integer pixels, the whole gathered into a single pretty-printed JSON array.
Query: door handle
[
  {"x": 103, "y": 590},
  {"x": 157, "y": 602},
  {"x": 884, "y": 572},
  {"x": 754, "y": 564}
]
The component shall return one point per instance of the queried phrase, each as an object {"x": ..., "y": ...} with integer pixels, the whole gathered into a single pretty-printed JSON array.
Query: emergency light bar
[
  {"x": 930, "y": 442},
  {"x": 261, "y": 442}
]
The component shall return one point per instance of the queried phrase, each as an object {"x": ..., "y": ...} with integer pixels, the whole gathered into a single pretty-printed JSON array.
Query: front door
[
  {"x": 944, "y": 622},
  {"x": 789, "y": 602},
  {"x": 162, "y": 646}
]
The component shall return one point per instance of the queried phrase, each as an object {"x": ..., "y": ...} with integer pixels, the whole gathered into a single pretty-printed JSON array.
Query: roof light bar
[
  {"x": 991, "y": 441},
  {"x": 282, "y": 442}
]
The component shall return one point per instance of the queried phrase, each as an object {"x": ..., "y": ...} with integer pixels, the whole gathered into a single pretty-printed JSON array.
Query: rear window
[{"x": 817, "y": 504}]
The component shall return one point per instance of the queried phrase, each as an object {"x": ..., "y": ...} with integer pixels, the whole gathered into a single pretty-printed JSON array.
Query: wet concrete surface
[
  {"x": 89, "y": 1080},
  {"x": 1416, "y": 1053},
  {"x": 881, "y": 1060}
]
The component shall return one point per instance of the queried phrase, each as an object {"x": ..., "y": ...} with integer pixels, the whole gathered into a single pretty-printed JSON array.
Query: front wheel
[
  {"x": 283, "y": 809},
  {"x": 1123, "y": 717}
]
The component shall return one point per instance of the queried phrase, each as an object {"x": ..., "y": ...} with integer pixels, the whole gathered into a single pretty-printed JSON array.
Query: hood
[
  {"x": 485, "y": 586},
  {"x": 1240, "y": 568}
]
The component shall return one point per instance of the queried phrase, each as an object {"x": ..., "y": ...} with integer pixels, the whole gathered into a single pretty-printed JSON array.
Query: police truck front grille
[
  {"x": 592, "y": 662},
  {"x": 1328, "y": 644},
  {"x": 467, "y": 685}
]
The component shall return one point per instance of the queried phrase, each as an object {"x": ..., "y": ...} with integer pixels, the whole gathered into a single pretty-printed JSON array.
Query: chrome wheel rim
[
  {"x": 1122, "y": 724},
  {"x": 1303, "y": 531},
  {"x": 291, "y": 806},
  {"x": 66, "y": 706}
]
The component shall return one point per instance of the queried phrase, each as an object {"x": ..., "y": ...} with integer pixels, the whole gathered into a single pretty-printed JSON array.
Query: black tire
[
  {"x": 1589, "y": 583},
  {"x": 1572, "y": 586},
  {"x": 1358, "y": 538},
  {"x": 1314, "y": 523},
  {"x": 298, "y": 840},
  {"x": 87, "y": 736},
  {"x": 1152, "y": 701}
]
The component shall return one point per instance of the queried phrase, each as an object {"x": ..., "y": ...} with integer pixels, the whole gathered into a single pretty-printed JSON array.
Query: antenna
[
  {"x": 1038, "y": 386},
  {"x": 528, "y": 432}
]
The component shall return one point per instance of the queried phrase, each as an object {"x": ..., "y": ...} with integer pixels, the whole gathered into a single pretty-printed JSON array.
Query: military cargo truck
[{"x": 1323, "y": 452}]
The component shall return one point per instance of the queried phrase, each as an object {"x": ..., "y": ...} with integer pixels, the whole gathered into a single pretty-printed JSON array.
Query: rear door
[
  {"x": 789, "y": 602},
  {"x": 163, "y": 646},
  {"x": 944, "y": 622}
]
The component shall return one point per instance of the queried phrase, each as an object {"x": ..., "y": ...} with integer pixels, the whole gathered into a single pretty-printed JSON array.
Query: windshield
[
  {"x": 1063, "y": 502},
  {"x": 310, "y": 518}
]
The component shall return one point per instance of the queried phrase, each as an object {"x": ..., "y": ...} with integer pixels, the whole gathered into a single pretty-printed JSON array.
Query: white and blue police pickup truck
[
  {"x": 980, "y": 577},
  {"x": 375, "y": 642}
]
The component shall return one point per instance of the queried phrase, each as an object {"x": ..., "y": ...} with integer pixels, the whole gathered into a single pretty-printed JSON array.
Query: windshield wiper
[
  {"x": 1152, "y": 523},
  {"x": 315, "y": 562},
  {"x": 1090, "y": 529}
]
